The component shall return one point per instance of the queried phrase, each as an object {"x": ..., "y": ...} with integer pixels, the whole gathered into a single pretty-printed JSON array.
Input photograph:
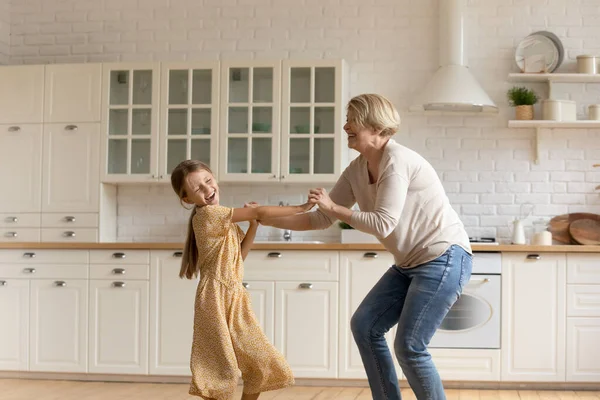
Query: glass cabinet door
[
  {"x": 130, "y": 118},
  {"x": 189, "y": 117},
  {"x": 311, "y": 127},
  {"x": 250, "y": 121}
]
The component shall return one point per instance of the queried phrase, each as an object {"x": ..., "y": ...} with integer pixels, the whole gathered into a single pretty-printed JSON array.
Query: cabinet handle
[
  {"x": 29, "y": 255},
  {"x": 69, "y": 234},
  {"x": 596, "y": 165},
  {"x": 282, "y": 176},
  {"x": 178, "y": 254},
  {"x": 69, "y": 219},
  {"x": 305, "y": 286},
  {"x": 274, "y": 176},
  {"x": 274, "y": 255},
  {"x": 246, "y": 285},
  {"x": 29, "y": 270},
  {"x": 118, "y": 271},
  {"x": 370, "y": 255},
  {"x": 118, "y": 284},
  {"x": 11, "y": 234},
  {"x": 2, "y": 283},
  {"x": 533, "y": 257},
  {"x": 14, "y": 128},
  {"x": 118, "y": 255},
  {"x": 12, "y": 219},
  {"x": 60, "y": 283},
  {"x": 71, "y": 127},
  {"x": 160, "y": 177}
]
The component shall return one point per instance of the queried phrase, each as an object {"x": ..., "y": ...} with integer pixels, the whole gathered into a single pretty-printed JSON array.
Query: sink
[{"x": 288, "y": 242}]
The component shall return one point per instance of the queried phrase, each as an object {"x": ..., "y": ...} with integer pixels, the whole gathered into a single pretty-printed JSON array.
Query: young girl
[{"x": 227, "y": 336}]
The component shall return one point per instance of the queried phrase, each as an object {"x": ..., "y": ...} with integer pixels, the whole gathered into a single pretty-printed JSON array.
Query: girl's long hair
[{"x": 189, "y": 261}]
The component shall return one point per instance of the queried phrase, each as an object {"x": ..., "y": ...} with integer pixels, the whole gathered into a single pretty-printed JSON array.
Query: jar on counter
[
  {"x": 587, "y": 64},
  {"x": 541, "y": 235},
  {"x": 594, "y": 112}
]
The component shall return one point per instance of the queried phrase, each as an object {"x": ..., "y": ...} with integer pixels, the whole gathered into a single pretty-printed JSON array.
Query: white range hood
[{"x": 453, "y": 88}]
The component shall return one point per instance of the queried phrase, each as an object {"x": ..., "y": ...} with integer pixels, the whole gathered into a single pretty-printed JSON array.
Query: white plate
[{"x": 537, "y": 54}]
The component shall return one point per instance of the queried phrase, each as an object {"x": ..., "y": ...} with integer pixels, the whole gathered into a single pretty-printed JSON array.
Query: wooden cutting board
[
  {"x": 585, "y": 231},
  {"x": 559, "y": 225}
]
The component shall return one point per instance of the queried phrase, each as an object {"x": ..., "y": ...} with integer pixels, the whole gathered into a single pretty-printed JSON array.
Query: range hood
[{"x": 453, "y": 88}]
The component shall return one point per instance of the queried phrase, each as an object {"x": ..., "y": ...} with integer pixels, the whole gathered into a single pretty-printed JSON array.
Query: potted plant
[
  {"x": 523, "y": 100},
  {"x": 351, "y": 235}
]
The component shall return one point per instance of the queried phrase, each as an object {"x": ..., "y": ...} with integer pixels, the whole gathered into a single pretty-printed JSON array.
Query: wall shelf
[{"x": 555, "y": 78}]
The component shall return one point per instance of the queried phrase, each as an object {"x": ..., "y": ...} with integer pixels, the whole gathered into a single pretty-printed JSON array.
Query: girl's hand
[
  {"x": 252, "y": 204},
  {"x": 322, "y": 198}
]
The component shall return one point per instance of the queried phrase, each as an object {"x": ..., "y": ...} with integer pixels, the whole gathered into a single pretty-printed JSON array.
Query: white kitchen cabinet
[
  {"x": 306, "y": 327},
  {"x": 72, "y": 93},
  {"x": 130, "y": 101},
  {"x": 171, "y": 315},
  {"x": 314, "y": 146},
  {"x": 21, "y": 94},
  {"x": 58, "y": 325},
  {"x": 118, "y": 326},
  {"x": 467, "y": 365},
  {"x": 533, "y": 317},
  {"x": 262, "y": 297},
  {"x": 359, "y": 272},
  {"x": 14, "y": 312},
  {"x": 583, "y": 350},
  {"x": 71, "y": 177},
  {"x": 189, "y": 115},
  {"x": 21, "y": 172}
]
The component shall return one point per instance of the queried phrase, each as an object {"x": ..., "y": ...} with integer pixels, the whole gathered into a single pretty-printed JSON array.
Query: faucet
[{"x": 287, "y": 233}]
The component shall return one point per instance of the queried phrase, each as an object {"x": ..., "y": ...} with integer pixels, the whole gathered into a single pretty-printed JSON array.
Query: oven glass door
[{"x": 474, "y": 320}]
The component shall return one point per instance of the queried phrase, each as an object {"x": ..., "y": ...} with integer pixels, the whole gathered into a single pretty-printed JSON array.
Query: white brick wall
[{"x": 391, "y": 47}]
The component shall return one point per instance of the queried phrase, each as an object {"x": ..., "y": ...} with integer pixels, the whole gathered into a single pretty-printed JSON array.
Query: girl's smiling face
[{"x": 201, "y": 189}]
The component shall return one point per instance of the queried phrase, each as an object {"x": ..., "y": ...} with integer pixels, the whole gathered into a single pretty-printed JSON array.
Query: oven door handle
[{"x": 479, "y": 281}]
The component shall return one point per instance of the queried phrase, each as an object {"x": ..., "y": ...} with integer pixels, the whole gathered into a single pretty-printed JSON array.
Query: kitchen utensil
[
  {"x": 594, "y": 112},
  {"x": 537, "y": 53},
  {"x": 559, "y": 225},
  {"x": 518, "y": 232},
  {"x": 587, "y": 64},
  {"x": 559, "y": 110},
  {"x": 585, "y": 231}
]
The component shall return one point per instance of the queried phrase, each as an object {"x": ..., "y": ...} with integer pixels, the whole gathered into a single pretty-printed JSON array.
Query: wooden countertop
[{"x": 292, "y": 246}]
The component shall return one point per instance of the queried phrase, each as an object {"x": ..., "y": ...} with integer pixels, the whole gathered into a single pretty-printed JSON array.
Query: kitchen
[{"x": 103, "y": 98}]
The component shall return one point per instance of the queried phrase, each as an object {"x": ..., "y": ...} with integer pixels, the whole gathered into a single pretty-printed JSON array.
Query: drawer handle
[
  {"x": 246, "y": 285},
  {"x": 11, "y": 234},
  {"x": 29, "y": 270},
  {"x": 118, "y": 271},
  {"x": 118, "y": 255},
  {"x": 178, "y": 254},
  {"x": 370, "y": 255},
  {"x": 274, "y": 255},
  {"x": 12, "y": 219},
  {"x": 29, "y": 255},
  {"x": 305, "y": 286},
  {"x": 60, "y": 283},
  {"x": 69, "y": 234},
  {"x": 14, "y": 128},
  {"x": 533, "y": 257},
  {"x": 118, "y": 284},
  {"x": 69, "y": 219},
  {"x": 71, "y": 127},
  {"x": 2, "y": 283}
]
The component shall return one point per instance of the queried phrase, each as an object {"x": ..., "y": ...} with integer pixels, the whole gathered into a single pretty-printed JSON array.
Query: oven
[{"x": 473, "y": 322}]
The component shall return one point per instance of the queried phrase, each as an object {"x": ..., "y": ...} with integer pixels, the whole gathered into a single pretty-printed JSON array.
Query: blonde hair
[
  {"x": 375, "y": 112},
  {"x": 189, "y": 261}
]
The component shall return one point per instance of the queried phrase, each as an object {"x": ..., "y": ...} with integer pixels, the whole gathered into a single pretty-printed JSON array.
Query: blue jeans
[{"x": 417, "y": 299}]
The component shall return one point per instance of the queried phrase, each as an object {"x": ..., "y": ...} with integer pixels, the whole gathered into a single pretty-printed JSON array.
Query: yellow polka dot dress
[{"x": 227, "y": 336}]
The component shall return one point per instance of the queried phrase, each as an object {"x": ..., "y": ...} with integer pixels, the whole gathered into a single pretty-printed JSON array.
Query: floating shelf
[
  {"x": 555, "y": 78},
  {"x": 582, "y": 124}
]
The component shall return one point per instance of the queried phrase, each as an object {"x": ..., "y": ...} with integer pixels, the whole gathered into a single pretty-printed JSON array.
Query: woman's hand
[
  {"x": 322, "y": 198},
  {"x": 252, "y": 204}
]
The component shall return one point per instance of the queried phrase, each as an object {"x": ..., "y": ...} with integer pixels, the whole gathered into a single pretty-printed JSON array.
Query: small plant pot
[{"x": 524, "y": 112}]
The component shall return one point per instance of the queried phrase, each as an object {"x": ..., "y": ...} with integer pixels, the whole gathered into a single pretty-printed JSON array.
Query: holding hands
[{"x": 321, "y": 197}]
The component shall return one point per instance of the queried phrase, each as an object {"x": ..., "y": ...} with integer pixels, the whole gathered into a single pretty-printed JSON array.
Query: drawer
[
  {"x": 44, "y": 256},
  {"x": 77, "y": 235},
  {"x": 17, "y": 220},
  {"x": 119, "y": 273},
  {"x": 75, "y": 220},
  {"x": 583, "y": 300},
  {"x": 292, "y": 265},
  {"x": 19, "y": 235},
  {"x": 117, "y": 257},
  {"x": 583, "y": 268},
  {"x": 32, "y": 271}
]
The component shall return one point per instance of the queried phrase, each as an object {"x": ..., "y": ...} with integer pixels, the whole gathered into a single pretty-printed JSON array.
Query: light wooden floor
[{"x": 21, "y": 389}]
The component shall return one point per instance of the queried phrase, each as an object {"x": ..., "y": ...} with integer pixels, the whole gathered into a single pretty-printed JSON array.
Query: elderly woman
[{"x": 402, "y": 203}]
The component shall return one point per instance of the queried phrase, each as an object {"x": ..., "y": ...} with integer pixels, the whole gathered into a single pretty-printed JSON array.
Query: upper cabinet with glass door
[
  {"x": 130, "y": 122},
  {"x": 250, "y": 121},
  {"x": 313, "y": 144},
  {"x": 189, "y": 115}
]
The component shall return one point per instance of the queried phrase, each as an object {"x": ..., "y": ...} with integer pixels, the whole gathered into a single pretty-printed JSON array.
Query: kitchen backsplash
[{"x": 391, "y": 47}]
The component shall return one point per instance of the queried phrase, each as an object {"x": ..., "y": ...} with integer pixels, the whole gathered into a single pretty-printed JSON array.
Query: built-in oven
[{"x": 473, "y": 322}]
